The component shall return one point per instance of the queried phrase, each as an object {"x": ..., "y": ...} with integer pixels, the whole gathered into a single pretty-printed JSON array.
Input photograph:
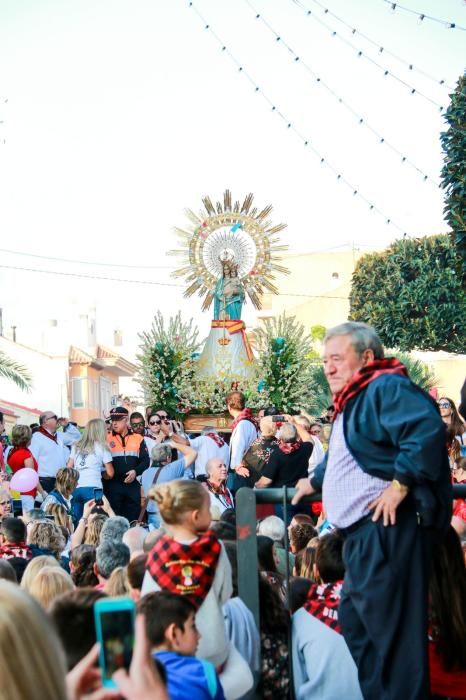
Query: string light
[
  {"x": 422, "y": 16},
  {"x": 381, "y": 49},
  {"x": 306, "y": 142},
  {"x": 145, "y": 282},
  {"x": 361, "y": 119},
  {"x": 360, "y": 54},
  {"x": 85, "y": 262}
]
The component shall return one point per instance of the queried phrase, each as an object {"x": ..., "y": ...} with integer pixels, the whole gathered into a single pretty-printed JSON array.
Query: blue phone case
[{"x": 111, "y": 606}]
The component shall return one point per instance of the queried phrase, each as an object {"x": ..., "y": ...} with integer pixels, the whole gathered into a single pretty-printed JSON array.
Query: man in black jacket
[{"x": 386, "y": 486}]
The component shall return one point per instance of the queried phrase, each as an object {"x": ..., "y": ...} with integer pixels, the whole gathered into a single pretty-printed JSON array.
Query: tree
[
  {"x": 284, "y": 364},
  {"x": 454, "y": 170},
  {"x": 14, "y": 372},
  {"x": 412, "y": 294}
]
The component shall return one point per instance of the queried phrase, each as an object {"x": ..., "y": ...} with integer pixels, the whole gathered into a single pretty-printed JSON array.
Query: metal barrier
[{"x": 246, "y": 524}]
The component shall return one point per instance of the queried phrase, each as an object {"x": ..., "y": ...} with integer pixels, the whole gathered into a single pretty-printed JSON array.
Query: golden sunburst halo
[{"x": 238, "y": 232}]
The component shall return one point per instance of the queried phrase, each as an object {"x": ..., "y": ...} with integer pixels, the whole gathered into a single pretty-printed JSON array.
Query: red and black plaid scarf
[
  {"x": 216, "y": 438},
  {"x": 47, "y": 434},
  {"x": 221, "y": 492},
  {"x": 185, "y": 569},
  {"x": 365, "y": 376},
  {"x": 10, "y": 549},
  {"x": 322, "y": 602},
  {"x": 246, "y": 414},
  {"x": 289, "y": 447}
]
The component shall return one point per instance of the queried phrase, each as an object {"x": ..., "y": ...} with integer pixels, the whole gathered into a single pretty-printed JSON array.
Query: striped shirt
[{"x": 347, "y": 489}]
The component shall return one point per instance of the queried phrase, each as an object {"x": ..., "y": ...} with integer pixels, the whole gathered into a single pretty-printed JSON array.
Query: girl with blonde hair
[
  {"x": 191, "y": 561},
  {"x": 92, "y": 459},
  {"x": 49, "y": 583},
  {"x": 33, "y": 568},
  {"x": 45, "y": 537},
  {"x": 65, "y": 484}
]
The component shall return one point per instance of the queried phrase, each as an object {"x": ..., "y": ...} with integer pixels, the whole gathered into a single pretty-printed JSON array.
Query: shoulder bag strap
[{"x": 146, "y": 499}]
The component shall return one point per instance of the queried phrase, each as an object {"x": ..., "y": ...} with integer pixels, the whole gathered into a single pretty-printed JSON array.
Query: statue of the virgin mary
[
  {"x": 227, "y": 352},
  {"x": 230, "y": 252}
]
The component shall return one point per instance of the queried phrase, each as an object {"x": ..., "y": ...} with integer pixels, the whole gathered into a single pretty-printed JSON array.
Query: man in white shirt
[
  {"x": 209, "y": 445},
  {"x": 50, "y": 448},
  {"x": 244, "y": 432}
]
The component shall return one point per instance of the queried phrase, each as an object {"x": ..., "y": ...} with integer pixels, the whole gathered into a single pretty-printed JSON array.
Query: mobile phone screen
[
  {"x": 117, "y": 628},
  {"x": 98, "y": 497}
]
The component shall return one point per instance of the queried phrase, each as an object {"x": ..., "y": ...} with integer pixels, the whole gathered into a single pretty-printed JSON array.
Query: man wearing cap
[{"x": 130, "y": 458}]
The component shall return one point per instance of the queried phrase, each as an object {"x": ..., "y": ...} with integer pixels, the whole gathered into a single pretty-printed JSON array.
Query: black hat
[{"x": 118, "y": 412}]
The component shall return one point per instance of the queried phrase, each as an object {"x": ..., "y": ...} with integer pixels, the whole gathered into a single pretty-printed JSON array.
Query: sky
[{"x": 119, "y": 114}]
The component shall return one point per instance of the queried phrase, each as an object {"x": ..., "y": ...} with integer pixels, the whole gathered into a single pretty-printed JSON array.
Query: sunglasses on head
[
  {"x": 50, "y": 418},
  {"x": 155, "y": 422},
  {"x": 163, "y": 417}
]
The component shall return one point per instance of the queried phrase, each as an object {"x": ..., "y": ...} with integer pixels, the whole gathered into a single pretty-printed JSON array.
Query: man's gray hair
[
  {"x": 111, "y": 555},
  {"x": 161, "y": 453},
  {"x": 288, "y": 432},
  {"x": 113, "y": 529},
  {"x": 362, "y": 337},
  {"x": 272, "y": 527}
]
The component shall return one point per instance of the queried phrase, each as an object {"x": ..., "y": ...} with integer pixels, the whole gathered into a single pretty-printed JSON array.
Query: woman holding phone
[{"x": 91, "y": 457}]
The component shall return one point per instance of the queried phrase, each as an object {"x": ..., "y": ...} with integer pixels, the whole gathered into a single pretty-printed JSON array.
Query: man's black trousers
[
  {"x": 125, "y": 499},
  {"x": 383, "y": 609}
]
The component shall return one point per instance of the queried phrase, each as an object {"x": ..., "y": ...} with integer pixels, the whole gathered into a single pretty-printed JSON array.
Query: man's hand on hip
[
  {"x": 303, "y": 488},
  {"x": 387, "y": 503}
]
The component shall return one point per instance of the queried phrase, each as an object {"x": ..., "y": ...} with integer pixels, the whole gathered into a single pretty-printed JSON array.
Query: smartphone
[
  {"x": 99, "y": 497},
  {"x": 278, "y": 419},
  {"x": 114, "y": 626}
]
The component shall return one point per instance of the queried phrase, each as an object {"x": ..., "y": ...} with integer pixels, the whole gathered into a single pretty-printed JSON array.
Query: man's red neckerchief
[
  {"x": 322, "y": 602},
  {"x": 365, "y": 376},
  {"x": 47, "y": 434},
  {"x": 185, "y": 569},
  {"x": 216, "y": 438},
  {"x": 221, "y": 491},
  {"x": 246, "y": 414},
  {"x": 289, "y": 447}
]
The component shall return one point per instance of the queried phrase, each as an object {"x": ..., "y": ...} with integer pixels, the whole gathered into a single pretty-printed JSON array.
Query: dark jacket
[
  {"x": 394, "y": 431},
  {"x": 128, "y": 452}
]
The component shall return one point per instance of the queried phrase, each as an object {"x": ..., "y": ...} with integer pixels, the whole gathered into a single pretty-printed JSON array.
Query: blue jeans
[{"x": 81, "y": 495}]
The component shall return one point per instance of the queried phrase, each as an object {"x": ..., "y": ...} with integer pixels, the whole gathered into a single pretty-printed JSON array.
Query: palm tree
[{"x": 13, "y": 371}]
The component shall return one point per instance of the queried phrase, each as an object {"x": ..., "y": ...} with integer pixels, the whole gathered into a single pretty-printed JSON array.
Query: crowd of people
[{"x": 136, "y": 507}]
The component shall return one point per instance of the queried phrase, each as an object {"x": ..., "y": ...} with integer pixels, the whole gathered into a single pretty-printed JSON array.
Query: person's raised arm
[{"x": 189, "y": 453}]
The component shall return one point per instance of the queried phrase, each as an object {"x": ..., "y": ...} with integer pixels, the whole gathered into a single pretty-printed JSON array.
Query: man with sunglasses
[
  {"x": 138, "y": 426},
  {"x": 50, "y": 448}
]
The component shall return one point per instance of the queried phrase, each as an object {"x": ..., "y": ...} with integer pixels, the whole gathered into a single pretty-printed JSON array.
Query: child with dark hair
[
  {"x": 7, "y": 572},
  {"x": 274, "y": 622},
  {"x": 322, "y": 664},
  {"x": 13, "y": 539},
  {"x": 300, "y": 535},
  {"x": 173, "y": 636},
  {"x": 135, "y": 575},
  {"x": 73, "y": 616}
]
